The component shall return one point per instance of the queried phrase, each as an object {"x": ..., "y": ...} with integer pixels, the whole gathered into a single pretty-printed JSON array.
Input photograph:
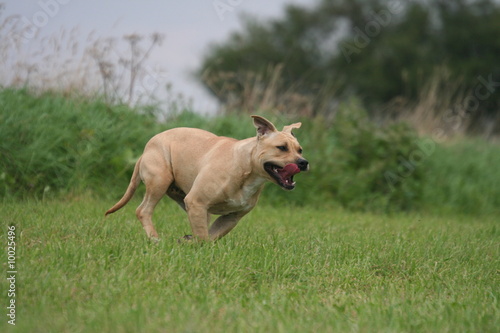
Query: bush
[{"x": 365, "y": 163}]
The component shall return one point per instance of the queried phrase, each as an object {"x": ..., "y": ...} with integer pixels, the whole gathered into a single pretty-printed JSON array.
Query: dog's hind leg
[{"x": 157, "y": 182}]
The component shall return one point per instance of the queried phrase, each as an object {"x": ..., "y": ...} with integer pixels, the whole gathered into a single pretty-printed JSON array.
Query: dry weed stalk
[
  {"x": 69, "y": 63},
  {"x": 250, "y": 92},
  {"x": 440, "y": 99}
]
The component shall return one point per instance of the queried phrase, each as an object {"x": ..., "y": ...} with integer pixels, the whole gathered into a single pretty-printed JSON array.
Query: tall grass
[
  {"x": 463, "y": 177},
  {"x": 51, "y": 143},
  {"x": 440, "y": 102},
  {"x": 245, "y": 91}
]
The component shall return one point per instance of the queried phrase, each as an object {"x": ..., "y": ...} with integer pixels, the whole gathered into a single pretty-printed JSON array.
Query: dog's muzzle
[{"x": 303, "y": 164}]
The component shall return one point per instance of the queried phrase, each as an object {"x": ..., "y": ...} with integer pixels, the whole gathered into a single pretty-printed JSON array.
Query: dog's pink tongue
[{"x": 289, "y": 170}]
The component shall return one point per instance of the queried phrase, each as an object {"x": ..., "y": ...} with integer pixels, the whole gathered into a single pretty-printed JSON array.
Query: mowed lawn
[{"x": 283, "y": 269}]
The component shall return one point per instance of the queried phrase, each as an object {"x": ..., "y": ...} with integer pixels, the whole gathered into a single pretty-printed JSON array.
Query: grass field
[{"x": 283, "y": 269}]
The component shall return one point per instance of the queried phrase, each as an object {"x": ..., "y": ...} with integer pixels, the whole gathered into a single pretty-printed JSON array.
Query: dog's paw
[{"x": 154, "y": 240}]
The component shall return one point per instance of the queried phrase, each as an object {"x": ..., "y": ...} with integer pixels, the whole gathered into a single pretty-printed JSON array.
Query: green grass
[{"x": 283, "y": 269}]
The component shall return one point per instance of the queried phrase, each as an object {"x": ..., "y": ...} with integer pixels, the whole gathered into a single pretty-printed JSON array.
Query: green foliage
[
  {"x": 463, "y": 178},
  {"x": 283, "y": 269},
  {"x": 52, "y": 143},
  {"x": 364, "y": 156}
]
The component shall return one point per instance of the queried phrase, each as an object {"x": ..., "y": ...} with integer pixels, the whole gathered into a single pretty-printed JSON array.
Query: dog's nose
[{"x": 302, "y": 164}]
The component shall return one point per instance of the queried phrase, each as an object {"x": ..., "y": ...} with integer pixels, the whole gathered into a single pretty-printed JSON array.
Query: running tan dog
[{"x": 208, "y": 174}]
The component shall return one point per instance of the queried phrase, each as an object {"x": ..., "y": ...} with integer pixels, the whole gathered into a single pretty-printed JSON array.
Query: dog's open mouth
[{"x": 283, "y": 176}]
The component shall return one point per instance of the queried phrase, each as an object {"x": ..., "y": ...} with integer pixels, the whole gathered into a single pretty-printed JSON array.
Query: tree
[{"x": 378, "y": 50}]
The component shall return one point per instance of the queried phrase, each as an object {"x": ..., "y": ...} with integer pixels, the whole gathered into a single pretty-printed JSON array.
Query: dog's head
[{"x": 279, "y": 154}]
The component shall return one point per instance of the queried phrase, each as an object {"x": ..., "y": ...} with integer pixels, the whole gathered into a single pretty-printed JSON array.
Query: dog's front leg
[
  {"x": 224, "y": 224},
  {"x": 198, "y": 218}
]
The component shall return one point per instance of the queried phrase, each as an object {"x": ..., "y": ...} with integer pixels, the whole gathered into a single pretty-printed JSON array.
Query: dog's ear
[
  {"x": 263, "y": 125},
  {"x": 289, "y": 128}
]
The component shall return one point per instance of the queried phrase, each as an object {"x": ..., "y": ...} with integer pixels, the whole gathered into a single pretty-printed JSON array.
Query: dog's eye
[
  {"x": 282, "y": 148},
  {"x": 300, "y": 150}
]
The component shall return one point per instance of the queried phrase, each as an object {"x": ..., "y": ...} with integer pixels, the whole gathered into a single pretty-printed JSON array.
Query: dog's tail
[{"x": 132, "y": 186}]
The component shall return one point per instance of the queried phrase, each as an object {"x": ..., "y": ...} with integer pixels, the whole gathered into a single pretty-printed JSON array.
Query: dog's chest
[{"x": 243, "y": 200}]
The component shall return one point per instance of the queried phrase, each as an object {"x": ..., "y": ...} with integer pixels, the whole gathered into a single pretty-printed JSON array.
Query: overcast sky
[{"x": 188, "y": 26}]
